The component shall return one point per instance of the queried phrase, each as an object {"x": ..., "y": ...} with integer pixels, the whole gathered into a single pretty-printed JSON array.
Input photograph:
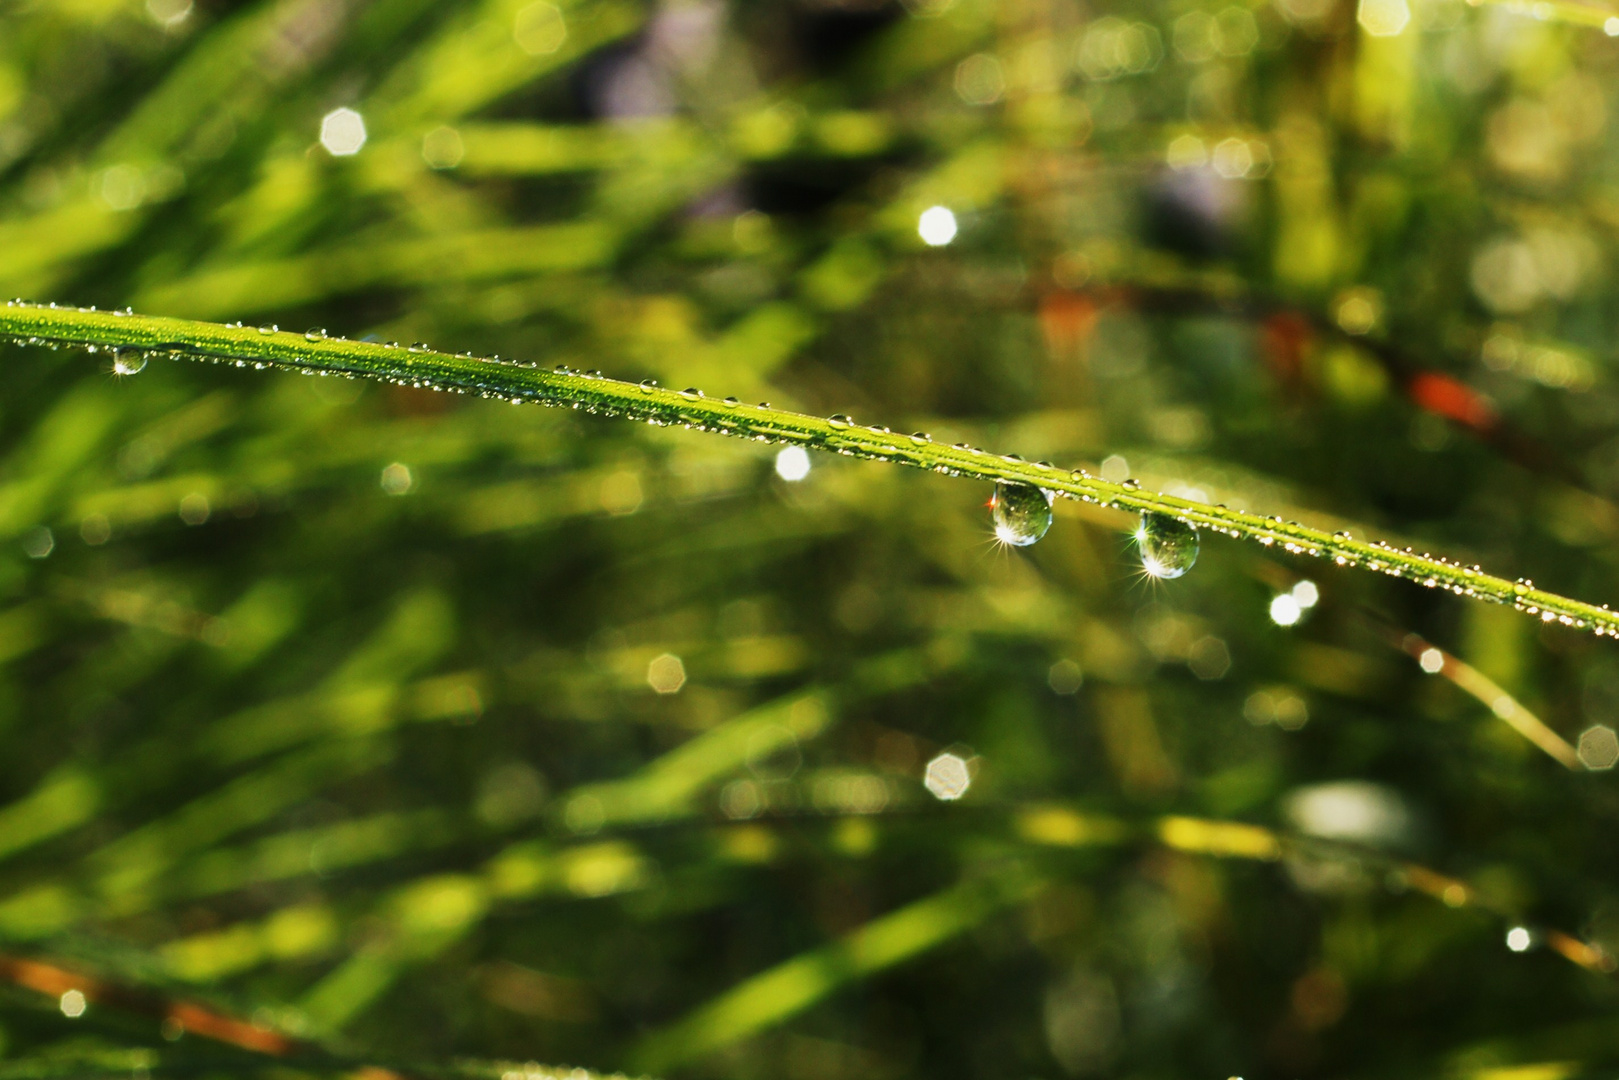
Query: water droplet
[
  {"x": 921, "y": 438},
  {"x": 128, "y": 362},
  {"x": 268, "y": 330},
  {"x": 314, "y": 334},
  {"x": 648, "y": 385},
  {"x": 838, "y": 420},
  {"x": 732, "y": 402},
  {"x": 1022, "y": 513},
  {"x": 691, "y": 393},
  {"x": 1168, "y": 545}
]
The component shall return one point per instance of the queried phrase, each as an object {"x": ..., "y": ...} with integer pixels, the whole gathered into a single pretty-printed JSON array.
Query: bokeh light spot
[
  {"x": 947, "y": 777},
  {"x": 666, "y": 674},
  {"x": 793, "y": 464},
  {"x": 936, "y": 226},
  {"x": 1599, "y": 747},
  {"x": 342, "y": 132}
]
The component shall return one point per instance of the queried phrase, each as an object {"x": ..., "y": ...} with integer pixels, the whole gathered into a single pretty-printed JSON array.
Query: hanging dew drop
[
  {"x": 1168, "y": 546},
  {"x": 1021, "y": 512},
  {"x": 128, "y": 362}
]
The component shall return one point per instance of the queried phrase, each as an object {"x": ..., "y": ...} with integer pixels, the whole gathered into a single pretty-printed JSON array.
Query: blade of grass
[{"x": 315, "y": 353}]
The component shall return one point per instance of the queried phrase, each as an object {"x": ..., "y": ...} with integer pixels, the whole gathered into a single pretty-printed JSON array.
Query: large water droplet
[
  {"x": 128, "y": 362},
  {"x": 1022, "y": 513},
  {"x": 1168, "y": 545}
]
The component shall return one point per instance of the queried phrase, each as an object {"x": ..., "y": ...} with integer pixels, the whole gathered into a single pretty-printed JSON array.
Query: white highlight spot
[
  {"x": 1306, "y": 594},
  {"x": 1519, "y": 939},
  {"x": 936, "y": 226},
  {"x": 73, "y": 1004},
  {"x": 1285, "y": 610},
  {"x": 947, "y": 777},
  {"x": 793, "y": 464},
  {"x": 1611, "y": 27},
  {"x": 1431, "y": 660},
  {"x": 342, "y": 132}
]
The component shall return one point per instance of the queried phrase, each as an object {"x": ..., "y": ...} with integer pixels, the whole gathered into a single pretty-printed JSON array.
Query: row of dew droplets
[{"x": 1169, "y": 546}]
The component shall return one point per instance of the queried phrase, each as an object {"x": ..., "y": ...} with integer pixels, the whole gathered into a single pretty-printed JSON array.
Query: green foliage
[{"x": 353, "y": 727}]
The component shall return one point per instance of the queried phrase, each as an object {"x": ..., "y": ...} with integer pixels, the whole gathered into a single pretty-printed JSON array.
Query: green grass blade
[{"x": 316, "y": 353}]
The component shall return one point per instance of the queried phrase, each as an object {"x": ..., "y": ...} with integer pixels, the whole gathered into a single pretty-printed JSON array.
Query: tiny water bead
[
  {"x": 1168, "y": 545},
  {"x": 1021, "y": 512}
]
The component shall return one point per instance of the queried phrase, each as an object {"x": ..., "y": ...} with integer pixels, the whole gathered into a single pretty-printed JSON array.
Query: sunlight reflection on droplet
[
  {"x": 1021, "y": 512},
  {"x": 1306, "y": 593},
  {"x": 793, "y": 464},
  {"x": 947, "y": 777},
  {"x": 1518, "y": 939},
  {"x": 1169, "y": 546},
  {"x": 936, "y": 226},
  {"x": 1431, "y": 660},
  {"x": 128, "y": 362},
  {"x": 73, "y": 1004},
  {"x": 342, "y": 132}
]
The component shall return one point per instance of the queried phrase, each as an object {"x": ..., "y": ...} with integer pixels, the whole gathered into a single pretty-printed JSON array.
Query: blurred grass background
[{"x": 441, "y": 734}]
